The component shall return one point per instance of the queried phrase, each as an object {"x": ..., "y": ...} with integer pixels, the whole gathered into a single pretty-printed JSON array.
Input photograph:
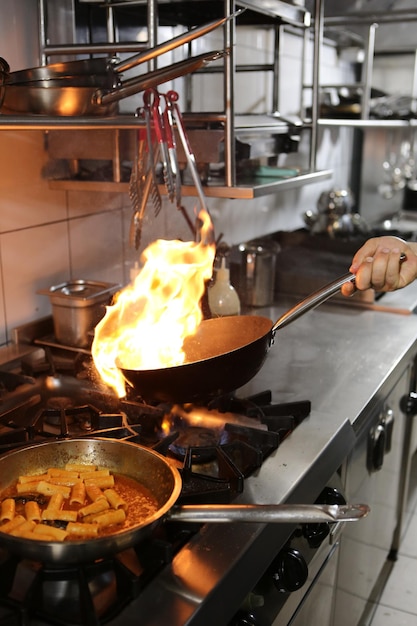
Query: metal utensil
[
  {"x": 173, "y": 97},
  {"x": 66, "y": 97},
  {"x": 153, "y": 159},
  {"x": 153, "y": 79},
  {"x": 133, "y": 180},
  {"x": 143, "y": 465},
  {"x": 172, "y": 150},
  {"x": 224, "y": 354},
  {"x": 152, "y": 101},
  {"x": 108, "y": 68}
]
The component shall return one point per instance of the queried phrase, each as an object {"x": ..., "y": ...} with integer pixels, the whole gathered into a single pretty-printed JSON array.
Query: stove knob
[
  {"x": 243, "y": 618},
  {"x": 408, "y": 404},
  {"x": 290, "y": 570},
  {"x": 316, "y": 534},
  {"x": 330, "y": 495}
]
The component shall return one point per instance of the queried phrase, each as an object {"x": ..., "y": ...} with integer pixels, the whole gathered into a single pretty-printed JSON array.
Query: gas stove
[
  {"x": 183, "y": 573},
  {"x": 215, "y": 446}
]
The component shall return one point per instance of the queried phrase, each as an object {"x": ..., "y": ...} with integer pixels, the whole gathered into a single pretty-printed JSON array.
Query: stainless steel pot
[
  {"x": 160, "y": 477},
  {"x": 253, "y": 264},
  {"x": 77, "y": 307}
]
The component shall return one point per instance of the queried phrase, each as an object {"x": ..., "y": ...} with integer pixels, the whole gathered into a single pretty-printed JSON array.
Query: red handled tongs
[
  {"x": 152, "y": 102},
  {"x": 172, "y": 149}
]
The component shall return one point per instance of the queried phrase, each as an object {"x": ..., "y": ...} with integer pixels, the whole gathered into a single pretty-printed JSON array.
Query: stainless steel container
[
  {"x": 253, "y": 271},
  {"x": 77, "y": 307}
]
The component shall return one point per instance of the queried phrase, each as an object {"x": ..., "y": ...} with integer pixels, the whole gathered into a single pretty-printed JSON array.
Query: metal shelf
[
  {"x": 242, "y": 123},
  {"x": 44, "y": 122},
  {"x": 360, "y": 27},
  {"x": 287, "y": 12},
  {"x": 249, "y": 190},
  {"x": 271, "y": 12},
  {"x": 359, "y": 123}
]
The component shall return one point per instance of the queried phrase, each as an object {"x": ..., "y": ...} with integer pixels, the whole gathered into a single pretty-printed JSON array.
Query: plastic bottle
[{"x": 222, "y": 296}]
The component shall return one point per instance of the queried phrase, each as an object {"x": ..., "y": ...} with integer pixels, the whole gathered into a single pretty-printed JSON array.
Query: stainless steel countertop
[
  {"x": 337, "y": 356},
  {"x": 344, "y": 360}
]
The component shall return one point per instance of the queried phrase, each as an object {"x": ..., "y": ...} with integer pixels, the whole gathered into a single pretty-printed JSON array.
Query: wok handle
[
  {"x": 313, "y": 300},
  {"x": 269, "y": 513},
  {"x": 316, "y": 298}
]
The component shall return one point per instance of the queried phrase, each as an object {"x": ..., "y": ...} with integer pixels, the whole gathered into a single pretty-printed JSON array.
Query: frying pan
[
  {"x": 82, "y": 94},
  {"x": 157, "y": 474},
  {"x": 224, "y": 354},
  {"x": 93, "y": 86},
  {"x": 110, "y": 68}
]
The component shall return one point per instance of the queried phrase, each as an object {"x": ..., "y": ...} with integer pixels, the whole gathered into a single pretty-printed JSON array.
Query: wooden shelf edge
[{"x": 254, "y": 189}]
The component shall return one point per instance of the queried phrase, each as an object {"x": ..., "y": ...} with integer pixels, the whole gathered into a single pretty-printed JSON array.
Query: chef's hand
[{"x": 377, "y": 265}]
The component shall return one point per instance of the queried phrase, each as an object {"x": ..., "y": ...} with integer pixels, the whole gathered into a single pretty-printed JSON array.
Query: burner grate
[{"x": 215, "y": 450}]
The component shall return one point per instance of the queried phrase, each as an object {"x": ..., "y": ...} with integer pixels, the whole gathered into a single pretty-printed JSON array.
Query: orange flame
[{"x": 147, "y": 325}]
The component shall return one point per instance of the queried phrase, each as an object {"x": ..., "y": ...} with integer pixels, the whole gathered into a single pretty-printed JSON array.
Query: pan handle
[
  {"x": 316, "y": 298},
  {"x": 153, "y": 79},
  {"x": 171, "y": 44},
  {"x": 313, "y": 300},
  {"x": 269, "y": 513}
]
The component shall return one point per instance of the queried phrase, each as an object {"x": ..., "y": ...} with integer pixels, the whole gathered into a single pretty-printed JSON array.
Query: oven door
[
  {"x": 314, "y": 603},
  {"x": 298, "y": 588},
  {"x": 373, "y": 474}
]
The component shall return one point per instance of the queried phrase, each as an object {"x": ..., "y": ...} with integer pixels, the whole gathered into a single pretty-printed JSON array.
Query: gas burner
[
  {"x": 211, "y": 418},
  {"x": 197, "y": 438},
  {"x": 89, "y": 594},
  {"x": 201, "y": 429}
]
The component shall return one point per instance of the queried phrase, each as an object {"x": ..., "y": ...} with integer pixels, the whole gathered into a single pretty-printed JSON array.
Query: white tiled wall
[{"x": 48, "y": 236}]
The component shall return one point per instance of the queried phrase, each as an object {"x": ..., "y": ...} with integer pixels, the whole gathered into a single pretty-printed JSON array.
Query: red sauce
[{"x": 141, "y": 504}]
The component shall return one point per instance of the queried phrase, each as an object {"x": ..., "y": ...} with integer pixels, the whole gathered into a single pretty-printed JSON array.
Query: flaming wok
[{"x": 223, "y": 355}]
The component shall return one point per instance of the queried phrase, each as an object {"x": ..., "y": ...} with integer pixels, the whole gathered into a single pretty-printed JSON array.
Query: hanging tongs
[
  {"x": 153, "y": 152},
  {"x": 172, "y": 149},
  {"x": 160, "y": 122},
  {"x": 172, "y": 97},
  {"x": 152, "y": 101}
]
